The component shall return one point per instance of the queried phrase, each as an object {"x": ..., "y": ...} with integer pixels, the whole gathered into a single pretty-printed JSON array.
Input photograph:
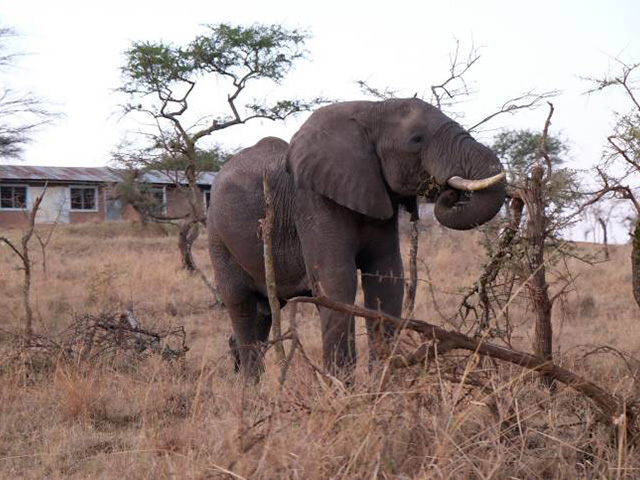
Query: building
[{"x": 78, "y": 194}]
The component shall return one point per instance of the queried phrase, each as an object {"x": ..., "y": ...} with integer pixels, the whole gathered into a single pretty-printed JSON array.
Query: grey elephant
[{"x": 338, "y": 188}]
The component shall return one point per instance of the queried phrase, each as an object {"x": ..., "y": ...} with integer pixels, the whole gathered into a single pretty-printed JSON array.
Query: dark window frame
[
  {"x": 26, "y": 197},
  {"x": 82, "y": 208}
]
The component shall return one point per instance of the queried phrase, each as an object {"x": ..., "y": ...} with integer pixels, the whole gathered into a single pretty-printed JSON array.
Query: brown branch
[
  {"x": 11, "y": 245},
  {"x": 412, "y": 287},
  {"x": 543, "y": 143},
  {"x": 612, "y": 407},
  {"x": 624, "y": 191},
  {"x": 457, "y": 70},
  {"x": 23, "y": 255},
  {"x": 266, "y": 230},
  {"x": 623, "y": 153},
  {"x": 512, "y": 105},
  {"x": 295, "y": 343},
  {"x": 507, "y": 236}
]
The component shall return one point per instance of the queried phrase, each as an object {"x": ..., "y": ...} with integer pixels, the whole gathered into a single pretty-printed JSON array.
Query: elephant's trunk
[
  {"x": 475, "y": 198},
  {"x": 465, "y": 210}
]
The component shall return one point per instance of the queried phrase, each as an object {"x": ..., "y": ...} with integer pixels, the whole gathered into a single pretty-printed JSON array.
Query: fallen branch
[
  {"x": 614, "y": 409},
  {"x": 92, "y": 336}
]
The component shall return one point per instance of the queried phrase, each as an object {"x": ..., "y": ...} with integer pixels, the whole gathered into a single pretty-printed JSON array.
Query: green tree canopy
[
  {"x": 160, "y": 80},
  {"x": 160, "y": 77},
  {"x": 206, "y": 160},
  {"x": 519, "y": 150}
]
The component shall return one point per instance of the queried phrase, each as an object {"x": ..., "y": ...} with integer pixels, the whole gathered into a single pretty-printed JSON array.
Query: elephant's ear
[{"x": 332, "y": 156}]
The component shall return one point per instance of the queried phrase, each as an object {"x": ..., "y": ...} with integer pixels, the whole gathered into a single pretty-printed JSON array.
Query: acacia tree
[
  {"x": 134, "y": 163},
  {"x": 163, "y": 81},
  {"x": 618, "y": 173},
  {"x": 21, "y": 113}
]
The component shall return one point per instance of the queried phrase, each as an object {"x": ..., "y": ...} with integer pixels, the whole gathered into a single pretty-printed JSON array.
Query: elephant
[{"x": 338, "y": 188}]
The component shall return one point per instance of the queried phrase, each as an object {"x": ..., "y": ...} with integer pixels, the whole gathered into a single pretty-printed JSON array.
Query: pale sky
[{"x": 75, "y": 49}]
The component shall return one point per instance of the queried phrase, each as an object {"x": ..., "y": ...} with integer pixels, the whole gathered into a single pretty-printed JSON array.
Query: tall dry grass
[{"x": 147, "y": 418}]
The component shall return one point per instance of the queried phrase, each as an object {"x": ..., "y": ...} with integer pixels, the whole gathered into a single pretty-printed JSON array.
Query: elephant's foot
[{"x": 235, "y": 353}]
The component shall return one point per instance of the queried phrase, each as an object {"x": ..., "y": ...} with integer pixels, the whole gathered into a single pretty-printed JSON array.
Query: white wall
[{"x": 55, "y": 204}]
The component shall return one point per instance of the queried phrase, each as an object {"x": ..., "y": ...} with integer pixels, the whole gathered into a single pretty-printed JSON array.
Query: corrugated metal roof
[
  {"x": 168, "y": 177},
  {"x": 91, "y": 174},
  {"x": 57, "y": 174}
]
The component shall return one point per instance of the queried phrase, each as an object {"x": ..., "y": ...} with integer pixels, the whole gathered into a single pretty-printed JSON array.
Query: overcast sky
[{"x": 75, "y": 49}]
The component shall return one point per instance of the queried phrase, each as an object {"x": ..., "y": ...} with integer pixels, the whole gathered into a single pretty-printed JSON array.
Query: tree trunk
[
  {"x": 270, "y": 271},
  {"x": 188, "y": 234},
  {"x": 26, "y": 297},
  {"x": 537, "y": 282},
  {"x": 605, "y": 240},
  {"x": 635, "y": 262}
]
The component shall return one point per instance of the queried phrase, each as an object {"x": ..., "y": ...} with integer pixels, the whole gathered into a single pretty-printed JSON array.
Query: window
[
  {"x": 13, "y": 197},
  {"x": 84, "y": 198},
  {"x": 157, "y": 193}
]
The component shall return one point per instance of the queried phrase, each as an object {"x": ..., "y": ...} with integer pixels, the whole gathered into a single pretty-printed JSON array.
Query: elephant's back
[
  {"x": 237, "y": 204},
  {"x": 237, "y": 189},
  {"x": 244, "y": 171}
]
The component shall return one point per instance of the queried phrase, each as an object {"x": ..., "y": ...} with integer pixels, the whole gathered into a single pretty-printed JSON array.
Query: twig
[
  {"x": 542, "y": 148},
  {"x": 295, "y": 343}
]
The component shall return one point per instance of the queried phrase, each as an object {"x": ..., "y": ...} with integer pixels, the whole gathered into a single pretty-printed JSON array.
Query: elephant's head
[{"x": 367, "y": 156}]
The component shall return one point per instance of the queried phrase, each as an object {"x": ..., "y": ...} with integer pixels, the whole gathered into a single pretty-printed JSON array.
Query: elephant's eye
[{"x": 417, "y": 139}]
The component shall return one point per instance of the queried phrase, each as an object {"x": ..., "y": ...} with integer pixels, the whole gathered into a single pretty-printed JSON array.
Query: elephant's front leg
[
  {"x": 339, "y": 282},
  {"x": 329, "y": 242},
  {"x": 383, "y": 285}
]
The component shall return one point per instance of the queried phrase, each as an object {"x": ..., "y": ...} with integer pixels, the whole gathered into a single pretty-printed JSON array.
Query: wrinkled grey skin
[{"x": 338, "y": 187}]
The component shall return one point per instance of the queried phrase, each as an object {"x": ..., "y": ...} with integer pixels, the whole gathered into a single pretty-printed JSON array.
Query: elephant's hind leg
[
  {"x": 264, "y": 320},
  {"x": 238, "y": 293}
]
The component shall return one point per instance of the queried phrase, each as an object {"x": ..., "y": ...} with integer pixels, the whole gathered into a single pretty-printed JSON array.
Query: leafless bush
[{"x": 114, "y": 338}]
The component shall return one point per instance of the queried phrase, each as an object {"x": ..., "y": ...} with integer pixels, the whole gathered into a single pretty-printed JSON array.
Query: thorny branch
[
  {"x": 528, "y": 101},
  {"x": 543, "y": 143},
  {"x": 412, "y": 285},
  {"x": 455, "y": 85},
  {"x": 491, "y": 270},
  {"x": 91, "y": 337}
]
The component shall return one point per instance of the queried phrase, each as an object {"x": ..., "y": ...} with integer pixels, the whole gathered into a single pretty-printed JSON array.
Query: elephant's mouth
[{"x": 453, "y": 198}]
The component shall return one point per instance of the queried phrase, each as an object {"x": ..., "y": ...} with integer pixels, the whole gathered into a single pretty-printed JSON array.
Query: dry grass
[{"x": 147, "y": 418}]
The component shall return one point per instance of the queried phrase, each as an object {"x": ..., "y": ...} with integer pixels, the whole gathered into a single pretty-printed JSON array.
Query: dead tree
[
  {"x": 412, "y": 284},
  {"x": 23, "y": 254},
  {"x": 187, "y": 235},
  {"x": 503, "y": 252},
  {"x": 45, "y": 239},
  {"x": 266, "y": 232},
  {"x": 620, "y": 166},
  {"x": 537, "y": 281},
  {"x": 605, "y": 240}
]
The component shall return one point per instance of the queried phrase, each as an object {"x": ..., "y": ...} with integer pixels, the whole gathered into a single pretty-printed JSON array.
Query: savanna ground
[{"x": 123, "y": 415}]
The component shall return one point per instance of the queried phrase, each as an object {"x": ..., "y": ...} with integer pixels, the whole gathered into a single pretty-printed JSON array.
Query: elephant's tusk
[{"x": 460, "y": 183}]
